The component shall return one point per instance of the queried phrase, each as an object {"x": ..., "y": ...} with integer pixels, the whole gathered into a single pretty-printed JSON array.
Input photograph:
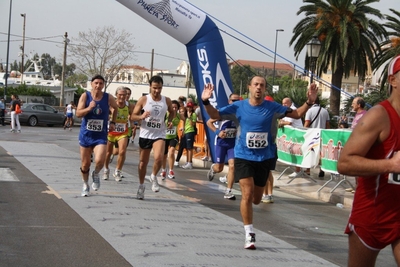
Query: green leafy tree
[
  {"x": 390, "y": 47},
  {"x": 240, "y": 76},
  {"x": 348, "y": 34}
]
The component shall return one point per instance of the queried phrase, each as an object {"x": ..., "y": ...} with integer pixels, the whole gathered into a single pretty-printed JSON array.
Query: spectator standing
[
  {"x": 358, "y": 105},
  {"x": 189, "y": 131},
  {"x": 2, "y": 111},
  {"x": 371, "y": 154},
  {"x": 317, "y": 117},
  {"x": 14, "y": 113}
]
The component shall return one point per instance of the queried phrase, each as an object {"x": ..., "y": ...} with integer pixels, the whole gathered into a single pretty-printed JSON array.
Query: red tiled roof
[
  {"x": 260, "y": 64},
  {"x": 135, "y": 67}
]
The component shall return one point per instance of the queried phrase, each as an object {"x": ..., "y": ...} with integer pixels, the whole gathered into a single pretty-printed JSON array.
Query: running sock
[{"x": 248, "y": 229}]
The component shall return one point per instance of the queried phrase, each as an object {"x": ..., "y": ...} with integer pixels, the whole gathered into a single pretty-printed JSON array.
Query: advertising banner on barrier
[
  {"x": 331, "y": 145},
  {"x": 298, "y": 147},
  {"x": 289, "y": 141}
]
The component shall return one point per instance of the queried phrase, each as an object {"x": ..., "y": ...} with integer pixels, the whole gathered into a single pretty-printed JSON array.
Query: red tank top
[{"x": 377, "y": 202}]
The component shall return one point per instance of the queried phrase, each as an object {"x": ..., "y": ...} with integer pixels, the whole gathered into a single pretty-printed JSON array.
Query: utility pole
[
  {"x": 151, "y": 65},
  {"x": 63, "y": 70},
  {"x": 23, "y": 48}
]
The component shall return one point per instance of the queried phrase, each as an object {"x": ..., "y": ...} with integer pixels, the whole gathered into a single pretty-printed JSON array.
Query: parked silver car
[{"x": 37, "y": 113}]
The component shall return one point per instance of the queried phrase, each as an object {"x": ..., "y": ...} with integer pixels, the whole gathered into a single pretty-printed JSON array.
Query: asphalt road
[{"x": 312, "y": 225}]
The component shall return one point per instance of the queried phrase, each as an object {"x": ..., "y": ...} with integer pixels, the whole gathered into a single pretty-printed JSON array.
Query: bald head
[{"x": 287, "y": 102}]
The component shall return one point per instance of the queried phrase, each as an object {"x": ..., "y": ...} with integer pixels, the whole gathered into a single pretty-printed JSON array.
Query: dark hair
[
  {"x": 361, "y": 102},
  {"x": 156, "y": 79},
  {"x": 249, "y": 83},
  {"x": 128, "y": 89},
  {"x": 176, "y": 103},
  {"x": 98, "y": 76}
]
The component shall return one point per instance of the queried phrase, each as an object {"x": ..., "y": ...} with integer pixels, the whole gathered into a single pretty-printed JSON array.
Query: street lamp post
[
  {"x": 276, "y": 42},
  {"x": 313, "y": 49},
  {"x": 23, "y": 48}
]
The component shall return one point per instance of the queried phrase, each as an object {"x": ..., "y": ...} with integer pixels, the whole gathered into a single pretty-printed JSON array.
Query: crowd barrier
[{"x": 307, "y": 148}]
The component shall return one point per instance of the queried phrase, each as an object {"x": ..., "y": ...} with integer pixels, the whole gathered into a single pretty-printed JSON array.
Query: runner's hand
[{"x": 207, "y": 92}]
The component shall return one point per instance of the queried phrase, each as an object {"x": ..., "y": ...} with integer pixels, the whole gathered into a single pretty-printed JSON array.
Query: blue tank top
[
  {"x": 255, "y": 139},
  {"x": 94, "y": 124},
  {"x": 230, "y": 129}
]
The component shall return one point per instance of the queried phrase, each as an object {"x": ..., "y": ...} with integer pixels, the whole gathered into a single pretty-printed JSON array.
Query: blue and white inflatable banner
[{"x": 204, "y": 45}]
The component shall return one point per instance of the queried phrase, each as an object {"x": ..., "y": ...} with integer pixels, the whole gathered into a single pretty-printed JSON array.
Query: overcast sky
[{"x": 48, "y": 20}]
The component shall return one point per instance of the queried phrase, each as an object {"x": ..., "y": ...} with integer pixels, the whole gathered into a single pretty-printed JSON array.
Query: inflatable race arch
[{"x": 203, "y": 42}]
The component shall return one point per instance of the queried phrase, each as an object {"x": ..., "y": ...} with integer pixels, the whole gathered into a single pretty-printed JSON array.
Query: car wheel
[{"x": 32, "y": 121}]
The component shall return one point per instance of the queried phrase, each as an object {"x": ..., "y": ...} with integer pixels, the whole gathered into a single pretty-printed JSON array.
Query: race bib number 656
[{"x": 257, "y": 140}]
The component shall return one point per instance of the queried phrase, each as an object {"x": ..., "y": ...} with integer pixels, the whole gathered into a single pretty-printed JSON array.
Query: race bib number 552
[
  {"x": 94, "y": 125},
  {"x": 257, "y": 140}
]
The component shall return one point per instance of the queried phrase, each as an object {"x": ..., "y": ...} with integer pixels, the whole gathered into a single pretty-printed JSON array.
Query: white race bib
[
  {"x": 230, "y": 132},
  {"x": 257, "y": 140},
  {"x": 394, "y": 178},
  {"x": 94, "y": 125},
  {"x": 153, "y": 123},
  {"x": 171, "y": 131},
  {"x": 120, "y": 127}
]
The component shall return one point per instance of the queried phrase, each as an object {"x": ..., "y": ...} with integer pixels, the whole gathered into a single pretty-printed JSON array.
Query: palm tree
[
  {"x": 348, "y": 36},
  {"x": 390, "y": 47}
]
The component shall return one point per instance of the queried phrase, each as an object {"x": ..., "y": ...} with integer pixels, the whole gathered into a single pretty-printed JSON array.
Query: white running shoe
[
  {"x": 223, "y": 179},
  {"x": 210, "y": 173},
  {"x": 85, "y": 190},
  {"x": 176, "y": 163},
  {"x": 140, "y": 192},
  {"x": 229, "y": 195},
  {"x": 171, "y": 174},
  {"x": 106, "y": 174},
  {"x": 293, "y": 175},
  {"x": 205, "y": 158},
  {"x": 155, "y": 187},
  {"x": 267, "y": 199},
  {"x": 117, "y": 175},
  {"x": 250, "y": 241},
  {"x": 96, "y": 181},
  {"x": 187, "y": 166}
]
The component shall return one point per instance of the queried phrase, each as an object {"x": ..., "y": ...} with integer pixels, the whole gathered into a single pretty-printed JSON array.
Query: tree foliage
[
  {"x": 348, "y": 34},
  {"x": 390, "y": 47},
  {"x": 240, "y": 76},
  {"x": 102, "y": 51}
]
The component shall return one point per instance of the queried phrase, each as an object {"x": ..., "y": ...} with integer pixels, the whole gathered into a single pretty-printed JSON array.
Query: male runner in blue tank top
[
  {"x": 94, "y": 108},
  {"x": 254, "y": 156}
]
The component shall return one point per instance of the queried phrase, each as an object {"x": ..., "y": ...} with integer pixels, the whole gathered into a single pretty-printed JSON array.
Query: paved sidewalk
[
  {"x": 311, "y": 188},
  {"x": 112, "y": 227}
]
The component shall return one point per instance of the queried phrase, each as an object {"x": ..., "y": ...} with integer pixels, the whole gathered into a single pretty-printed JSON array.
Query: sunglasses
[{"x": 234, "y": 100}]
